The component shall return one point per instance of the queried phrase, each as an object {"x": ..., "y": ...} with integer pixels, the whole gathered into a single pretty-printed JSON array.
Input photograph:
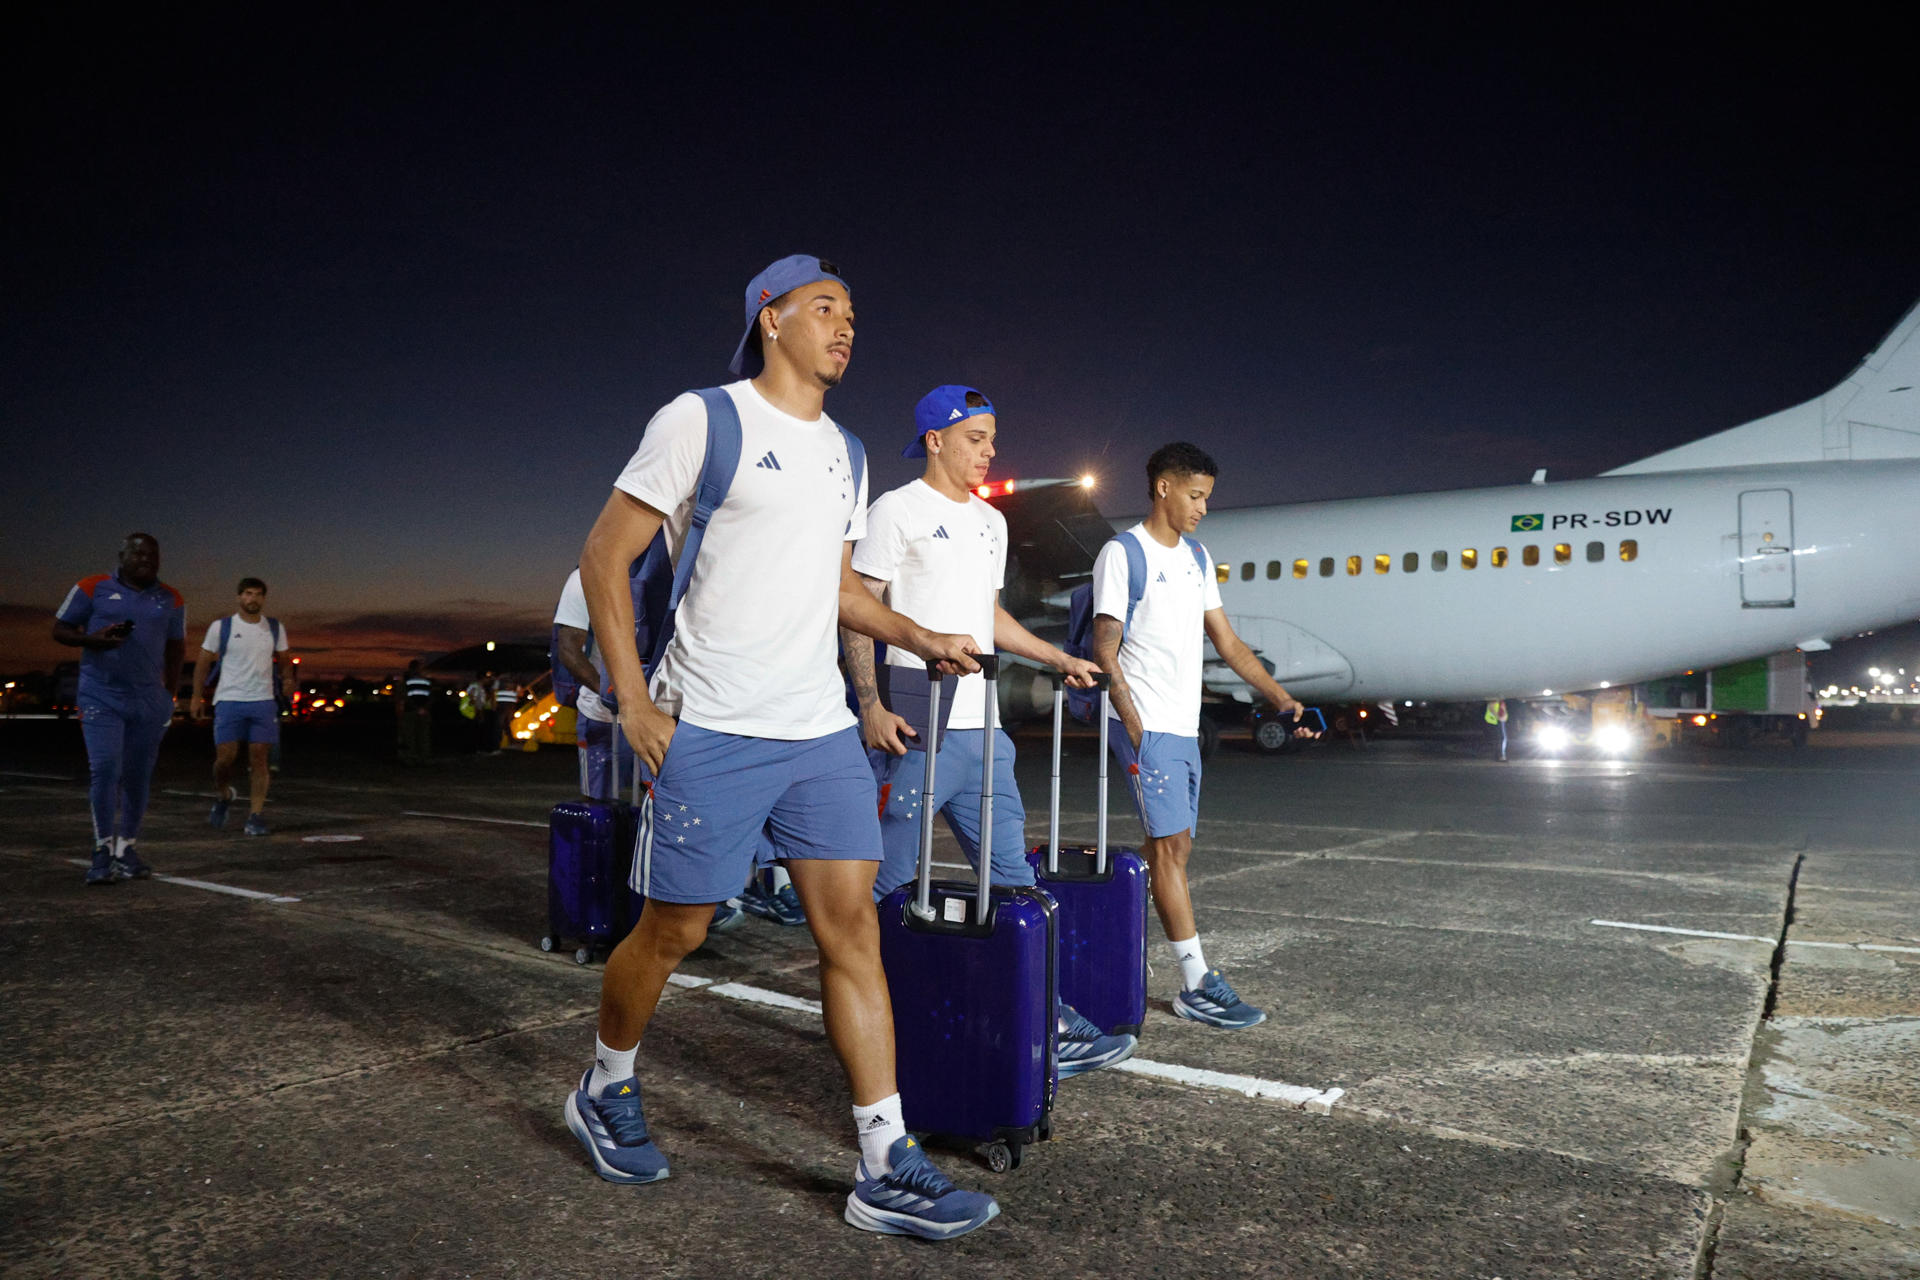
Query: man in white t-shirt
[
  {"x": 745, "y": 730},
  {"x": 938, "y": 553},
  {"x": 1153, "y": 648},
  {"x": 246, "y": 701}
]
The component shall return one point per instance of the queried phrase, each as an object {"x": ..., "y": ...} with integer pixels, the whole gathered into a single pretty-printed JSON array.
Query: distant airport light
[
  {"x": 1874, "y": 672},
  {"x": 985, "y": 491},
  {"x": 1606, "y": 684},
  {"x": 1699, "y": 719},
  {"x": 489, "y": 646},
  {"x": 1546, "y": 693},
  {"x": 1086, "y": 481},
  {"x": 1008, "y": 487}
]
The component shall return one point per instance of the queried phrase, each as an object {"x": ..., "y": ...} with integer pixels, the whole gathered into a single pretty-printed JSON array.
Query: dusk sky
[{"x": 376, "y": 312}]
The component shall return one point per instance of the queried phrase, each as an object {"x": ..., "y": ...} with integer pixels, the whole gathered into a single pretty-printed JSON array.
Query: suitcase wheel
[
  {"x": 548, "y": 943},
  {"x": 1002, "y": 1156},
  {"x": 581, "y": 955}
]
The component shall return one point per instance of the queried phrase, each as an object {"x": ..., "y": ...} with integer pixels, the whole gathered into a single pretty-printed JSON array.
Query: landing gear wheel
[
  {"x": 1273, "y": 734},
  {"x": 581, "y": 955},
  {"x": 548, "y": 943}
]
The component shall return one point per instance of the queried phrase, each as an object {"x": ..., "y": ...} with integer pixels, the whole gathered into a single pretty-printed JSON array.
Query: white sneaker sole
[{"x": 867, "y": 1218}]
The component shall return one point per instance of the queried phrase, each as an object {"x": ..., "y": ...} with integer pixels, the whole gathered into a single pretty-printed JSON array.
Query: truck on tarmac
[{"x": 1735, "y": 705}]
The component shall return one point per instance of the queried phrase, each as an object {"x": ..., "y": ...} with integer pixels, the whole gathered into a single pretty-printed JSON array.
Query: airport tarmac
[{"x": 1648, "y": 1019}]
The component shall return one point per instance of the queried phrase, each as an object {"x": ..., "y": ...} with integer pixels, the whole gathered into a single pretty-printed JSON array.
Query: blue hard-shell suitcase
[
  {"x": 971, "y": 972},
  {"x": 1102, "y": 906},
  {"x": 589, "y": 855}
]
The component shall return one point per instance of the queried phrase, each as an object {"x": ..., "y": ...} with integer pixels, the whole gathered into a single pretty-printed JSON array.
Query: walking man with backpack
[
  {"x": 937, "y": 552},
  {"x": 240, "y": 660},
  {"x": 743, "y": 726},
  {"x": 1155, "y": 605}
]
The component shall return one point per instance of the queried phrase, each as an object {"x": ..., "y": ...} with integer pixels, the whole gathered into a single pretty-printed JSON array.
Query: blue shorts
[
  {"x": 722, "y": 798},
  {"x": 957, "y": 798},
  {"x": 1164, "y": 779},
  {"x": 246, "y": 722}
]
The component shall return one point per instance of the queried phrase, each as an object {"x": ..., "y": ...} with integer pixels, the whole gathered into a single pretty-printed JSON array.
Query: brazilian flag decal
[{"x": 1528, "y": 524}]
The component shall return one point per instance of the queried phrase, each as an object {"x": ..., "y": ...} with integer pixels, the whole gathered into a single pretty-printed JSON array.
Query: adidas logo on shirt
[
  {"x": 1162, "y": 577},
  {"x": 770, "y": 462},
  {"x": 941, "y": 532}
]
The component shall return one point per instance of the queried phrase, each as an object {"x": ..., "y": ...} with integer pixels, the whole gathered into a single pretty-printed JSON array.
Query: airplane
[{"x": 1791, "y": 531}]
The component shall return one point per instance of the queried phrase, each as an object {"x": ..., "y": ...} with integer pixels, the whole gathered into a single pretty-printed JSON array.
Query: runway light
[{"x": 489, "y": 646}]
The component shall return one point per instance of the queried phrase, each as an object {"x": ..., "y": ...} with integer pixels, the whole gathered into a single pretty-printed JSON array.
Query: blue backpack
[
  {"x": 658, "y": 585},
  {"x": 220, "y": 654},
  {"x": 1085, "y": 703}
]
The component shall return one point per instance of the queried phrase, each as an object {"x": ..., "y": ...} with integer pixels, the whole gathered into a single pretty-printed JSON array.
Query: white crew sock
[
  {"x": 1193, "y": 965},
  {"x": 120, "y": 846},
  {"x": 609, "y": 1065},
  {"x": 780, "y": 878},
  {"x": 879, "y": 1126}
]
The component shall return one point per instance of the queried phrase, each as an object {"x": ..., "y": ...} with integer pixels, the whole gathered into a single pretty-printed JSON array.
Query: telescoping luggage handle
[
  {"x": 1058, "y": 681},
  {"x": 923, "y": 892}
]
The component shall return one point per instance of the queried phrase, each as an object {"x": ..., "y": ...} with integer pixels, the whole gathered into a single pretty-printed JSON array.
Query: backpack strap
[
  {"x": 1136, "y": 571},
  {"x": 716, "y": 477},
  {"x": 273, "y": 624},
  {"x": 226, "y": 635}
]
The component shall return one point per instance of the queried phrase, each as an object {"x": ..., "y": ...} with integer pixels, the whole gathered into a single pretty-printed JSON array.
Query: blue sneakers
[
  {"x": 726, "y": 915},
  {"x": 1084, "y": 1048},
  {"x": 782, "y": 906},
  {"x": 256, "y": 825},
  {"x": 217, "y": 816},
  {"x": 915, "y": 1199},
  {"x": 103, "y": 872},
  {"x": 1216, "y": 1004},
  {"x": 614, "y": 1132}
]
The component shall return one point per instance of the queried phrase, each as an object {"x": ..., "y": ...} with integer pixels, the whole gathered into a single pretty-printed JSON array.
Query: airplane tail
[{"x": 1874, "y": 414}]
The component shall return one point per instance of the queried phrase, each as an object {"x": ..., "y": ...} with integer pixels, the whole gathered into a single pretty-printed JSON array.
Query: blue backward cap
[
  {"x": 941, "y": 408},
  {"x": 783, "y": 276}
]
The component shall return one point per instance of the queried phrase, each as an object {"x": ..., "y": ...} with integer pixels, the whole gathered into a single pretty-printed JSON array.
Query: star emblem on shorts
[
  {"x": 683, "y": 808},
  {"x": 696, "y": 822}
]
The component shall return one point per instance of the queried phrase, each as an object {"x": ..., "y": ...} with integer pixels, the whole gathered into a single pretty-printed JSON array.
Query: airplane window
[
  {"x": 1410, "y": 562},
  {"x": 1529, "y": 555},
  {"x": 1469, "y": 558},
  {"x": 1299, "y": 568},
  {"x": 1221, "y": 572},
  {"x": 1499, "y": 560},
  {"x": 1562, "y": 553},
  {"x": 1439, "y": 561},
  {"x": 1353, "y": 566},
  {"x": 1246, "y": 572},
  {"x": 1273, "y": 569},
  {"x": 1382, "y": 563},
  {"x": 1630, "y": 549},
  {"x": 1596, "y": 552},
  {"x": 1326, "y": 566}
]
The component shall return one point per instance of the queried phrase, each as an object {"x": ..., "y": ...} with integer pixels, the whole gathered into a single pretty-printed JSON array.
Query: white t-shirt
[
  {"x": 755, "y": 645},
  {"x": 246, "y": 673},
  {"x": 573, "y": 613},
  {"x": 944, "y": 563},
  {"x": 1165, "y": 645}
]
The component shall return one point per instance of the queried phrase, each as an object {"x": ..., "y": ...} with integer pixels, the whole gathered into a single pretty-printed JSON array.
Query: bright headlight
[
  {"x": 1552, "y": 738},
  {"x": 1613, "y": 740}
]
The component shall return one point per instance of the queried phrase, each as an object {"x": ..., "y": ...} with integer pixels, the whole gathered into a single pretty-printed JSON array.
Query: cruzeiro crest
[{"x": 1528, "y": 524}]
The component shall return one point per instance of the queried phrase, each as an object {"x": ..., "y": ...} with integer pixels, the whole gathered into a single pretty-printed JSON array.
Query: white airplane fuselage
[{"x": 1725, "y": 564}]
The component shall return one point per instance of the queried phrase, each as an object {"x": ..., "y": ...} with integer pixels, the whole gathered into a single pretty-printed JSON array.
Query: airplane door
[{"x": 1766, "y": 549}]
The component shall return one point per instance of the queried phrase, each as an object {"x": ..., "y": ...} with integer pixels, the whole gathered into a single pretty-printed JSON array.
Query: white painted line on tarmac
[
  {"x": 208, "y": 885},
  {"x": 1750, "y": 937},
  {"x": 467, "y": 817},
  {"x": 757, "y": 995},
  {"x": 688, "y": 980},
  {"x": 1318, "y": 1101},
  {"x": 44, "y": 777}
]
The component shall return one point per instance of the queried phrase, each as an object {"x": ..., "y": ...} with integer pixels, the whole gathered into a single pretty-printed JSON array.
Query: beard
[{"x": 828, "y": 378}]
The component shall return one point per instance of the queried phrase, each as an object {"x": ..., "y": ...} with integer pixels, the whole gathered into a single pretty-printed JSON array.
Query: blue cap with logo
[
  {"x": 783, "y": 276},
  {"x": 941, "y": 408}
]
